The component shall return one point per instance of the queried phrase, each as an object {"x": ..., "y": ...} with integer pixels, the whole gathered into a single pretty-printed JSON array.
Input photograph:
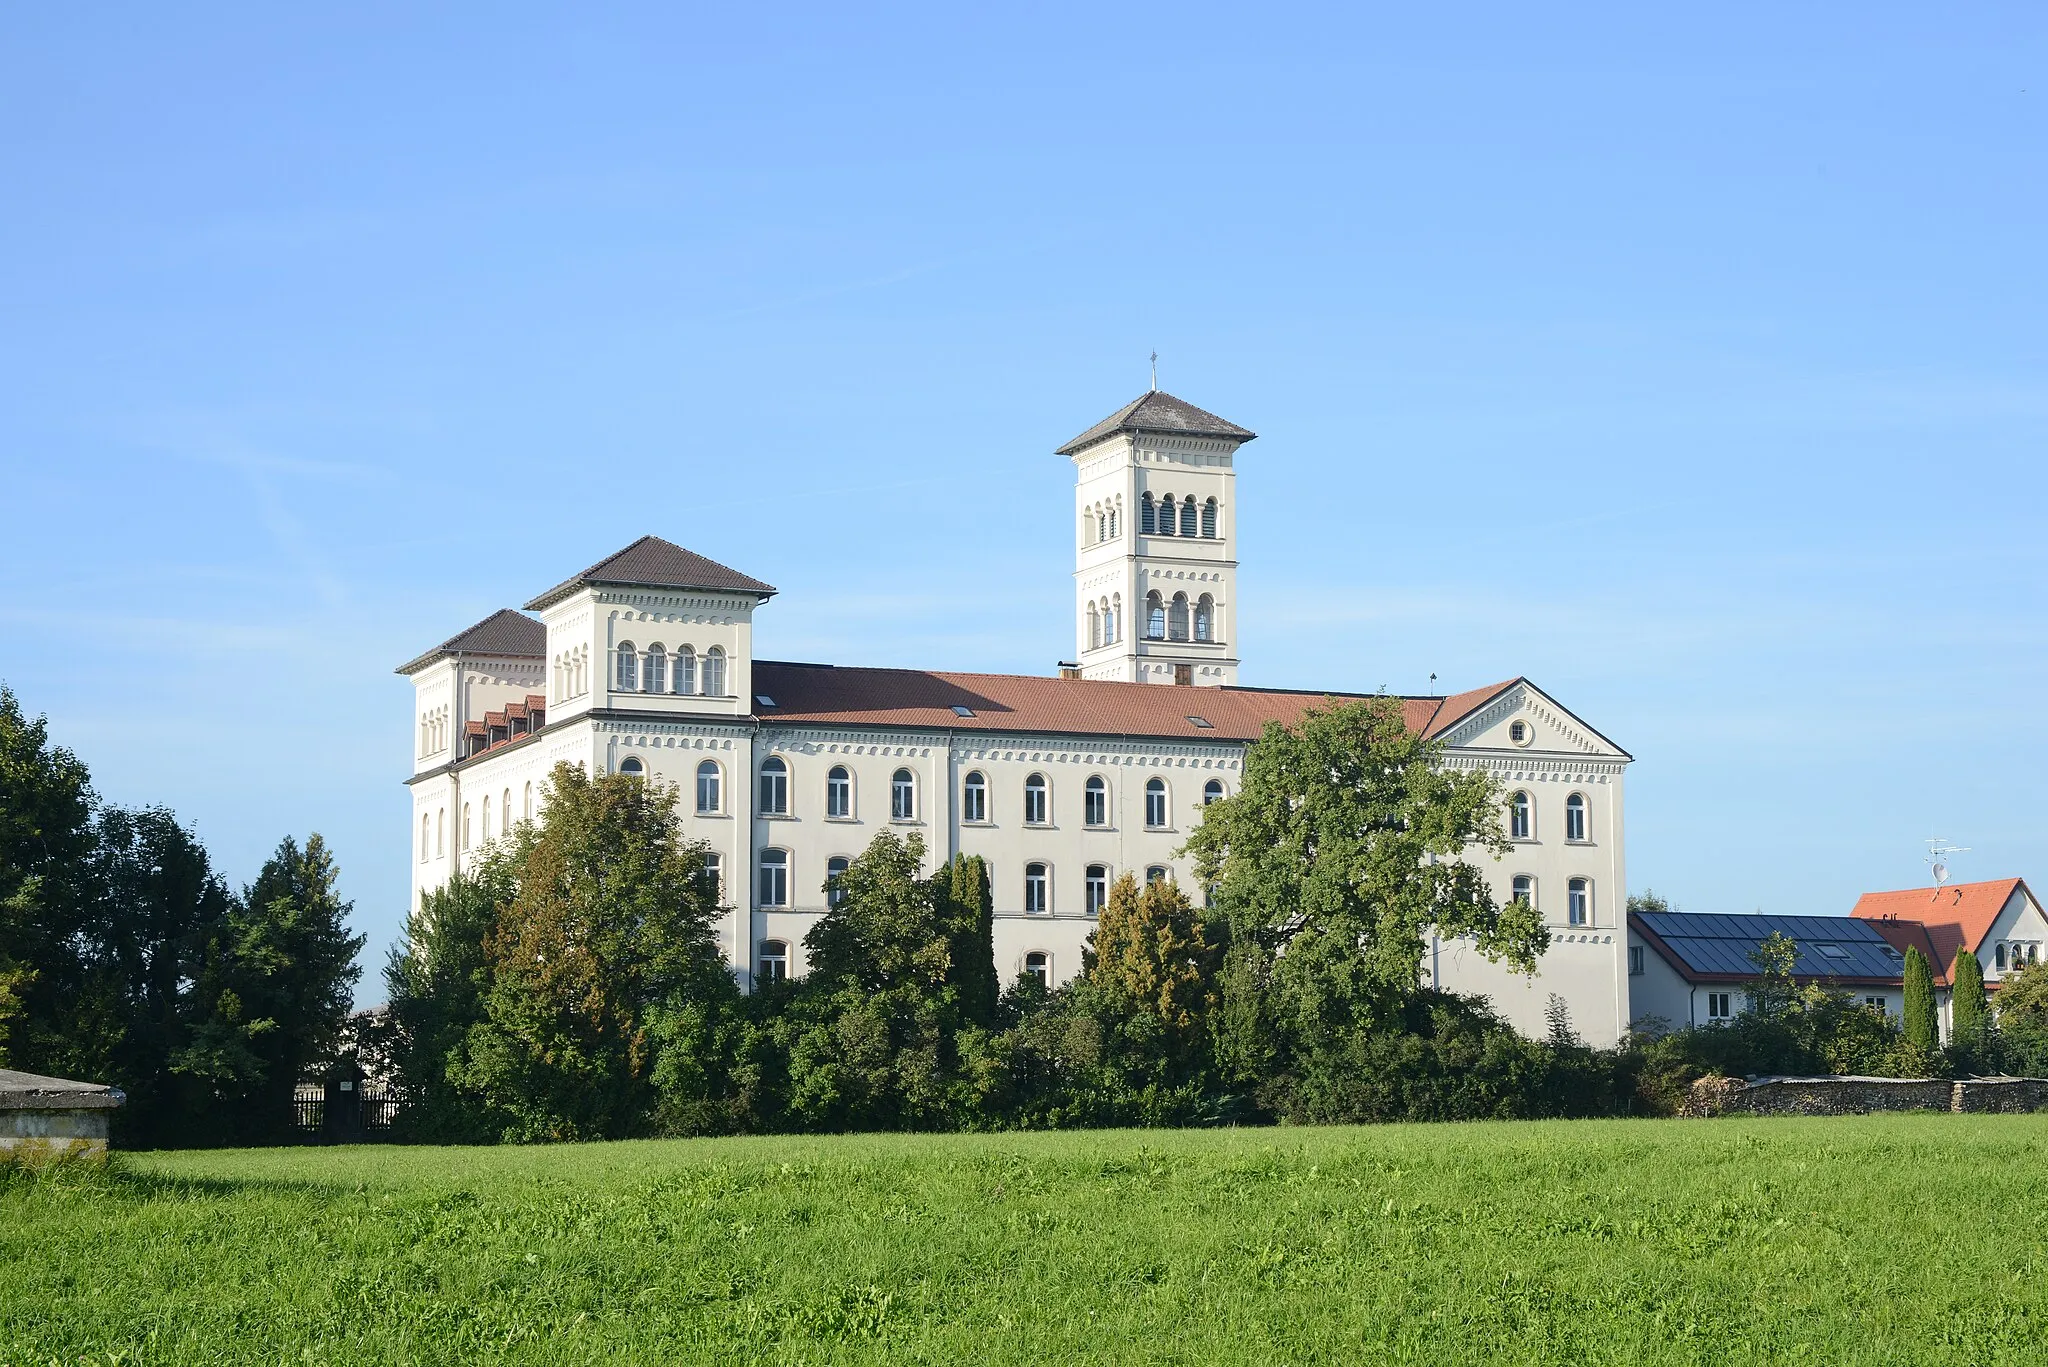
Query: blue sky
[{"x": 1690, "y": 365}]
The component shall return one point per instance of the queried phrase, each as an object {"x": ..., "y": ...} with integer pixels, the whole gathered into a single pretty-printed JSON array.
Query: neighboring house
[
  {"x": 1999, "y": 921},
  {"x": 644, "y": 663},
  {"x": 1689, "y": 968}
]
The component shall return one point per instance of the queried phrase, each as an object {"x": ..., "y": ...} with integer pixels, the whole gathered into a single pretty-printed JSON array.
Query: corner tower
[{"x": 1155, "y": 564}]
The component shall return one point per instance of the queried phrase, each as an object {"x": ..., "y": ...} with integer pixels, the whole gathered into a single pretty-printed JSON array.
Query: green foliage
[
  {"x": 46, "y": 805},
  {"x": 608, "y": 997},
  {"x": 1970, "y": 1021},
  {"x": 1150, "y": 956},
  {"x": 1921, "y": 1029}
]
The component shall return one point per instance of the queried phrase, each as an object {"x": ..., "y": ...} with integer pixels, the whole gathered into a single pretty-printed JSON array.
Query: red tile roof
[
  {"x": 832, "y": 695},
  {"x": 1956, "y": 918}
]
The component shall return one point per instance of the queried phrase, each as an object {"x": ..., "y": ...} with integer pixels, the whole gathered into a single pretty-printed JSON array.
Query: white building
[{"x": 645, "y": 663}]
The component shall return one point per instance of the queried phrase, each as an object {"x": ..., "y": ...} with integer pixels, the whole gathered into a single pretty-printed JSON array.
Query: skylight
[
  {"x": 764, "y": 700},
  {"x": 1202, "y": 722},
  {"x": 1833, "y": 952},
  {"x": 960, "y": 711}
]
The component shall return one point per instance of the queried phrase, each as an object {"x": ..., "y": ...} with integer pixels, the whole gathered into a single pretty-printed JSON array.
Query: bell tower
[{"x": 1155, "y": 567}]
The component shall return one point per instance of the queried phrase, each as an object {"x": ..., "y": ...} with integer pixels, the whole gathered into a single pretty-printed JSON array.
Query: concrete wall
[
  {"x": 53, "y": 1133},
  {"x": 1861, "y": 1095}
]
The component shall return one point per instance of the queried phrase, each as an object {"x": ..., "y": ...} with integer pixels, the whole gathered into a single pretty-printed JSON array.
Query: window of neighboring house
[
  {"x": 1157, "y": 873},
  {"x": 1876, "y": 1004},
  {"x": 1578, "y": 897},
  {"x": 774, "y": 883},
  {"x": 974, "y": 798},
  {"x": 1718, "y": 1007},
  {"x": 902, "y": 796},
  {"x": 1212, "y": 791},
  {"x": 1575, "y": 817},
  {"x": 1037, "y": 889},
  {"x": 1155, "y": 803},
  {"x": 839, "y": 793},
  {"x": 1524, "y": 891},
  {"x": 628, "y": 671},
  {"x": 709, "y": 784},
  {"x": 774, "y": 787},
  {"x": 628, "y": 765},
  {"x": 714, "y": 672},
  {"x": 1038, "y": 964},
  {"x": 1998, "y": 954},
  {"x": 1521, "y": 817},
  {"x": 774, "y": 961},
  {"x": 1635, "y": 961},
  {"x": 834, "y": 867},
  {"x": 1097, "y": 888},
  {"x": 655, "y": 669},
  {"x": 2033, "y": 953},
  {"x": 1095, "y": 802},
  {"x": 1035, "y": 804}
]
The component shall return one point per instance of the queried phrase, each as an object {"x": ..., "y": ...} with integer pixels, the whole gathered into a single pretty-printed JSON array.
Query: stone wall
[
  {"x": 1862, "y": 1095},
  {"x": 53, "y": 1134}
]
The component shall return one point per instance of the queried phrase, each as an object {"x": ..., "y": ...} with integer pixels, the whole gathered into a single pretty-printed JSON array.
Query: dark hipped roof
[
  {"x": 1158, "y": 411},
  {"x": 830, "y": 695},
  {"x": 505, "y": 633},
  {"x": 34, "y": 1092},
  {"x": 653, "y": 563},
  {"x": 1715, "y": 948}
]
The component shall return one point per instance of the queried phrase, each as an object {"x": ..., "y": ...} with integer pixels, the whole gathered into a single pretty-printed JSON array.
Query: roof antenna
[
  {"x": 1155, "y": 372},
  {"x": 1938, "y": 852}
]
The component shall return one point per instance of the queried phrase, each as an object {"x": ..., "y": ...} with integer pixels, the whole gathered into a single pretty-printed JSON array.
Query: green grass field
[{"x": 1882, "y": 1239}]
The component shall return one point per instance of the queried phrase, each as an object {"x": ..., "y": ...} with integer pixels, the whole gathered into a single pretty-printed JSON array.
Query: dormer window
[{"x": 763, "y": 700}]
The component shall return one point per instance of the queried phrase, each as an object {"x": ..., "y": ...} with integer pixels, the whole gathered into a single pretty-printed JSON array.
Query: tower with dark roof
[{"x": 1155, "y": 568}]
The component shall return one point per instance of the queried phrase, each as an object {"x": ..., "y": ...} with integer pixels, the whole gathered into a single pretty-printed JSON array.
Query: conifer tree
[
  {"x": 1970, "y": 1023},
  {"x": 1149, "y": 954},
  {"x": 1921, "y": 1031},
  {"x": 971, "y": 904}
]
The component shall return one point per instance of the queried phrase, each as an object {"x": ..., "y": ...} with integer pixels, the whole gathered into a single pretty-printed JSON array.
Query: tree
[
  {"x": 1150, "y": 955},
  {"x": 2023, "y": 998},
  {"x": 1344, "y": 848},
  {"x": 609, "y": 997},
  {"x": 1647, "y": 901},
  {"x": 970, "y": 898},
  {"x": 46, "y": 806},
  {"x": 1921, "y": 1030},
  {"x": 1969, "y": 1024},
  {"x": 273, "y": 992},
  {"x": 1774, "y": 991}
]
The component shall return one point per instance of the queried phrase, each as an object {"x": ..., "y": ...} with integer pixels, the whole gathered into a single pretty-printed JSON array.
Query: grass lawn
[{"x": 1917, "y": 1238}]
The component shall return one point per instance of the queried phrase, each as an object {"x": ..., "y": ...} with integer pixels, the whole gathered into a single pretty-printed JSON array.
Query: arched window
[
  {"x": 1113, "y": 624},
  {"x": 974, "y": 798},
  {"x": 656, "y": 680},
  {"x": 427, "y": 844},
  {"x": 714, "y": 874},
  {"x": 1035, "y": 804},
  {"x": 774, "y": 958},
  {"x": 714, "y": 672},
  {"x": 1101, "y": 524},
  {"x": 1212, "y": 791},
  {"x": 1095, "y": 802},
  {"x": 1094, "y": 628},
  {"x": 834, "y": 867},
  {"x": 1166, "y": 516},
  {"x": 774, "y": 787},
  {"x": 839, "y": 793},
  {"x": 628, "y": 765},
  {"x": 686, "y": 670},
  {"x": 1097, "y": 888},
  {"x": 1038, "y": 964},
  {"x": 902, "y": 796},
  {"x": 1205, "y": 616},
  {"x": 774, "y": 881},
  {"x": 1998, "y": 954},
  {"x": 1037, "y": 890},
  {"x": 1155, "y": 617},
  {"x": 441, "y": 832},
  {"x": 710, "y": 785},
  {"x": 628, "y": 667},
  {"x": 1155, "y": 803},
  {"x": 1148, "y": 520},
  {"x": 1578, "y": 897},
  {"x": 1525, "y": 891},
  {"x": 1115, "y": 517},
  {"x": 1209, "y": 519},
  {"x": 1157, "y": 873},
  {"x": 1521, "y": 817},
  {"x": 1575, "y": 817},
  {"x": 1177, "y": 618},
  {"x": 1188, "y": 514},
  {"x": 465, "y": 825},
  {"x": 505, "y": 813}
]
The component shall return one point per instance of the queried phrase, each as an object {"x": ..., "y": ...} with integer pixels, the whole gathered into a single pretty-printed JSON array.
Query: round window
[{"x": 1520, "y": 732}]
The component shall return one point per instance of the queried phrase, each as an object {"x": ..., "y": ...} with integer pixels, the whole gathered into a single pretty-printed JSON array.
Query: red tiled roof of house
[
  {"x": 1955, "y": 918},
  {"x": 831, "y": 695},
  {"x": 1905, "y": 935}
]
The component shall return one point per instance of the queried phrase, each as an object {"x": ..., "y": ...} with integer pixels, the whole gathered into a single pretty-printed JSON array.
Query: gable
[{"x": 1548, "y": 726}]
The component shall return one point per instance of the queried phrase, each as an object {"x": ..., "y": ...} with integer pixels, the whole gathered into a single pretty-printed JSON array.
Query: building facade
[{"x": 644, "y": 663}]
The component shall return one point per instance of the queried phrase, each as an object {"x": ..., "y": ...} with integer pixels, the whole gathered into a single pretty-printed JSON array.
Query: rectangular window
[
  {"x": 903, "y": 796},
  {"x": 1718, "y": 1007},
  {"x": 1876, "y": 1004},
  {"x": 974, "y": 799},
  {"x": 1579, "y": 902},
  {"x": 1037, "y": 896},
  {"x": 774, "y": 886},
  {"x": 1635, "y": 961},
  {"x": 1155, "y": 804},
  {"x": 1098, "y": 888},
  {"x": 839, "y": 795},
  {"x": 714, "y": 874}
]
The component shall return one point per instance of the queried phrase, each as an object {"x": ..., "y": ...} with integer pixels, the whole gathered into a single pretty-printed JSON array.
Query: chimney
[{"x": 1070, "y": 669}]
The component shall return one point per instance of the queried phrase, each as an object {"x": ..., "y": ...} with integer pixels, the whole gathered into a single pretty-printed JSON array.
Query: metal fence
[{"x": 333, "y": 1115}]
